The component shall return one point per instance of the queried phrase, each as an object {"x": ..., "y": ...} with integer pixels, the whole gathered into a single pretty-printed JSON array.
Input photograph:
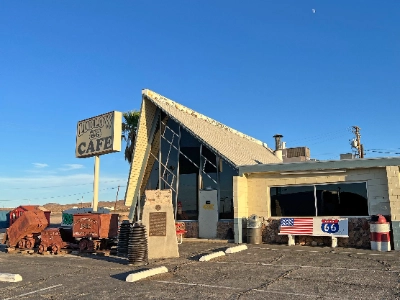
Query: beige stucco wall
[
  {"x": 393, "y": 179},
  {"x": 240, "y": 197},
  {"x": 252, "y": 190},
  {"x": 147, "y": 115}
]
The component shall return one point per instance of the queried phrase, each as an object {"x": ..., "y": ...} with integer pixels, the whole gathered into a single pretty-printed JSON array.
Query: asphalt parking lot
[{"x": 260, "y": 272}]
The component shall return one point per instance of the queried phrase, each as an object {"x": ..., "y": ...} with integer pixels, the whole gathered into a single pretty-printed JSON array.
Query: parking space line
[
  {"x": 319, "y": 251},
  {"x": 235, "y": 288},
  {"x": 198, "y": 284},
  {"x": 294, "y": 294},
  {"x": 311, "y": 267},
  {"x": 37, "y": 291}
]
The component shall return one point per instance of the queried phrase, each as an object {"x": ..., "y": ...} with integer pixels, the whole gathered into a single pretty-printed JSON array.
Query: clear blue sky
[{"x": 261, "y": 67}]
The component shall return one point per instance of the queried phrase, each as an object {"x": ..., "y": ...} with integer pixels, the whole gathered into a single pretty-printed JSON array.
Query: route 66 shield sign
[{"x": 330, "y": 226}]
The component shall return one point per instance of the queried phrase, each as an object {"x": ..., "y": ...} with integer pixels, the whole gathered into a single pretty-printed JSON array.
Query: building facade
[
  {"x": 354, "y": 188},
  {"x": 219, "y": 177},
  {"x": 194, "y": 156}
]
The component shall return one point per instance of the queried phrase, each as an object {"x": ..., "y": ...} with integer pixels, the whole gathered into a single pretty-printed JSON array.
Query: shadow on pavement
[{"x": 113, "y": 259}]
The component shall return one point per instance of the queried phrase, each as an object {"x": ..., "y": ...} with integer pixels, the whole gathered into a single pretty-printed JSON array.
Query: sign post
[
  {"x": 97, "y": 136},
  {"x": 96, "y": 183}
]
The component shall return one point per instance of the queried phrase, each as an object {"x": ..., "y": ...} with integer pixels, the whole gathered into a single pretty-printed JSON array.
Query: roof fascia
[{"x": 321, "y": 165}]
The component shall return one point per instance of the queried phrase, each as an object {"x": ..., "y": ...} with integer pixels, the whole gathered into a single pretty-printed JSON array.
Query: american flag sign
[{"x": 297, "y": 226}]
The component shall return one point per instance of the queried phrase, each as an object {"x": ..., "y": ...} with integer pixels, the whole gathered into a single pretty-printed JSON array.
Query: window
[
  {"x": 226, "y": 174},
  {"x": 343, "y": 199},
  {"x": 188, "y": 177}
]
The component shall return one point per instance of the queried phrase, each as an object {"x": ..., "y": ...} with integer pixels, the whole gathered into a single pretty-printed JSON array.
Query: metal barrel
[{"x": 254, "y": 235}]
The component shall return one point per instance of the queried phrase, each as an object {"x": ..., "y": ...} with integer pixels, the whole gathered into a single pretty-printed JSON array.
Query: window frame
[{"x": 314, "y": 185}]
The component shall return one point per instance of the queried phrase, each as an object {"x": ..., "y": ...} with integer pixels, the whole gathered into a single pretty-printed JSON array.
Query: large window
[
  {"x": 188, "y": 177},
  {"x": 343, "y": 199},
  {"x": 186, "y": 167},
  {"x": 226, "y": 174}
]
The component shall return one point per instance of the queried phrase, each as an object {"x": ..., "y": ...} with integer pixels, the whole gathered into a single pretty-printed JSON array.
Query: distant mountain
[{"x": 56, "y": 207}]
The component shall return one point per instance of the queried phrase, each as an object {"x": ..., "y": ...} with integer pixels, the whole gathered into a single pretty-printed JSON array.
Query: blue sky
[{"x": 261, "y": 67}]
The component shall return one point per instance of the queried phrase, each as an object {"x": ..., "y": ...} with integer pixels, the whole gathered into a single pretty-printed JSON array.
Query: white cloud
[
  {"x": 69, "y": 167},
  {"x": 40, "y": 165}
]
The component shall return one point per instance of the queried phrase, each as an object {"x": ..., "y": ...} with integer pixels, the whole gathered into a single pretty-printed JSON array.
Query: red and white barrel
[{"x": 380, "y": 234}]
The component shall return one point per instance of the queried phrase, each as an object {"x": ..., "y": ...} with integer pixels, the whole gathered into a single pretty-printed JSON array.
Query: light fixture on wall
[{"x": 313, "y": 172}]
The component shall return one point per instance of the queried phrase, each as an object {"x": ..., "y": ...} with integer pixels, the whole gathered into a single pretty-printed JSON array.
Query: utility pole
[
  {"x": 116, "y": 200},
  {"x": 358, "y": 145}
]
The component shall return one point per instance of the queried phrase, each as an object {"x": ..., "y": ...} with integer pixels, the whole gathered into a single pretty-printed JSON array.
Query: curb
[
  {"x": 236, "y": 249},
  {"x": 146, "y": 273},
  {"x": 211, "y": 256},
  {"x": 10, "y": 277}
]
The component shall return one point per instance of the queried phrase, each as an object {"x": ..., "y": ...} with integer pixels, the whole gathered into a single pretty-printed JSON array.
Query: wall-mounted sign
[
  {"x": 99, "y": 135},
  {"x": 337, "y": 227}
]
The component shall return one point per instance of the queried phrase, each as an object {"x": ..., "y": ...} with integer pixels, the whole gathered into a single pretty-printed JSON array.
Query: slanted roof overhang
[
  {"x": 235, "y": 147},
  {"x": 310, "y": 166},
  {"x": 190, "y": 131}
]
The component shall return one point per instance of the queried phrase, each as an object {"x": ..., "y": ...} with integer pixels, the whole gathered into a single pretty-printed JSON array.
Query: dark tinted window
[
  {"x": 292, "y": 201},
  {"x": 343, "y": 199}
]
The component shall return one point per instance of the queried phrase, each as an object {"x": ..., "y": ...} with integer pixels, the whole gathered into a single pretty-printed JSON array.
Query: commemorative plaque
[{"x": 157, "y": 224}]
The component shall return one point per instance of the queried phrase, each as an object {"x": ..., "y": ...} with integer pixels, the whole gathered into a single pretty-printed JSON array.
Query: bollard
[{"x": 380, "y": 234}]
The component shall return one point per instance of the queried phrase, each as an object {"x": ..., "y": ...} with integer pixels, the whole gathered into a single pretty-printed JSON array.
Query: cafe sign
[{"x": 99, "y": 135}]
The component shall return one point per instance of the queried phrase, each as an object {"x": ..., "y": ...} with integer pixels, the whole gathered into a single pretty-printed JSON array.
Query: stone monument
[{"x": 158, "y": 217}]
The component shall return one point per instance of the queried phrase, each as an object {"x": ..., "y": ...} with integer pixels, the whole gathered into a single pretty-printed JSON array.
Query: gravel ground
[{"x": 261, "y": 272}]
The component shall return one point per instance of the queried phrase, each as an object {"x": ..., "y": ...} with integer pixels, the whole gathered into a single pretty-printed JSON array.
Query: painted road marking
[
  {"x": 323, "y": 250},
  {"x": 37, "y": 291},
  {"x": 237, "y": 289},
  {"x": 311, "y": 267}
]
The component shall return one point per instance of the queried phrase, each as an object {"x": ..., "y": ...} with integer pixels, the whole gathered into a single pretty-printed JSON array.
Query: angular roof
[{"x": 236, "y": 147}]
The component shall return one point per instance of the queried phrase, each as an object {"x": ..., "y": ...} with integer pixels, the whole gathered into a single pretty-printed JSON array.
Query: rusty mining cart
[
  {"x": 24, "y": 232},
  {"x": 95, "y": 231},
  {"x": 89, "y": 232},
  {"x": 55, "y": 239}
]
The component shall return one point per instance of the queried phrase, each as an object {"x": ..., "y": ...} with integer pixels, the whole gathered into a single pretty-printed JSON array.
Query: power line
[
  {"x": 324, "y": 135},
  {"x": 54, "y": 186},
  {"x": 383, "y": 152},
  {"x": 53, "y": 197}
]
